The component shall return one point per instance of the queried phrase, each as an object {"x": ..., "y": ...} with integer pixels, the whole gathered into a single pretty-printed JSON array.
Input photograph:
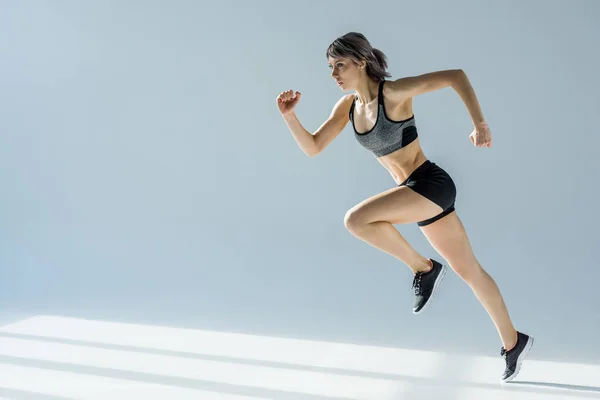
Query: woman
[{"x": 383, "y": 122}]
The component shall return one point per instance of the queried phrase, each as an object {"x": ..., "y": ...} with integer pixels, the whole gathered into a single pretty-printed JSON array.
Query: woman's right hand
[{"x": 286, "y": 101}]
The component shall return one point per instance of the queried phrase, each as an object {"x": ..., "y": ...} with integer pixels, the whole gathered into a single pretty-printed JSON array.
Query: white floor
[{"x": 54, "y": 358}]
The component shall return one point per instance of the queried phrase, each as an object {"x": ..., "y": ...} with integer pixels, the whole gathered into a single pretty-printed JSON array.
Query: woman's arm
[
  {"x": 314, "y": 143},
  {"x": 404, "y": 88}
]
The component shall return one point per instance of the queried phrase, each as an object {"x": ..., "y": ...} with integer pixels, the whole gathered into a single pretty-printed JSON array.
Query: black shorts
[{"x": 432, "y": 182}]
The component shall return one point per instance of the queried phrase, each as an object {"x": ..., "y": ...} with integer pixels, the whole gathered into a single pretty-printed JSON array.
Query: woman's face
[{"x": 345, "y": 72}]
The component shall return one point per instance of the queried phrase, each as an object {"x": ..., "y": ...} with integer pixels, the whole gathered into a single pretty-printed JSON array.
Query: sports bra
[{"x": 387, "y": 135}]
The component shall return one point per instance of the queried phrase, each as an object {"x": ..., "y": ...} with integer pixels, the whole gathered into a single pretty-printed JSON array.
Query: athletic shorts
[{"x": 432, "y": 182}]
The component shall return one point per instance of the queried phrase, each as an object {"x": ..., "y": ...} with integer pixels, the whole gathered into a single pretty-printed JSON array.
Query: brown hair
[{"x": 355, "y": 46}]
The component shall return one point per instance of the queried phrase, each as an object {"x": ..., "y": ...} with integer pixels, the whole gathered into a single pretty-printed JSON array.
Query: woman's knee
[
  {"x": 469, "y": 271},
  {"x": 354, "y": 220},
  {"x": 351, "y": 219}
]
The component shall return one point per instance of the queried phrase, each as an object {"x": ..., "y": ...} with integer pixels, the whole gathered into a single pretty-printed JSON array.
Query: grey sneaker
[{"x": 425, "y": 284}]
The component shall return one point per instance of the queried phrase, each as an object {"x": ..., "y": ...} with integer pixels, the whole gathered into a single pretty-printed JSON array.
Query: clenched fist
[
  {"x": 481, "y": 136},
  {"x": 286, "y": 101}
]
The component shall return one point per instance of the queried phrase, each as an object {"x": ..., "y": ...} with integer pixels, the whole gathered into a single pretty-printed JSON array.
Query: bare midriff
[{"x": 402, "y": 162}]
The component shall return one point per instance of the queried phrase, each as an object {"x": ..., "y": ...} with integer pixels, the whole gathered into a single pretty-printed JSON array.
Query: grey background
[{"x": 147, "y": 175}]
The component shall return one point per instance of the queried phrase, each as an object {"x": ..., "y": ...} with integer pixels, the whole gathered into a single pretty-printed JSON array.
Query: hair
[{"x": 354, "y": 45}]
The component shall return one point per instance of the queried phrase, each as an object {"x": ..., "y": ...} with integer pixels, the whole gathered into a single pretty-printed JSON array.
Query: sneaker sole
[
  {"x": 520, "y": 359},
  {"x": 434, "y": 291}
]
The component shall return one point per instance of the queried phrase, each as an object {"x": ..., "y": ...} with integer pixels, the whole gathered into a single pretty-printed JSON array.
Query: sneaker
[
  {"x": 425, "y": 284},
  {"x": 514, "y": 357}
]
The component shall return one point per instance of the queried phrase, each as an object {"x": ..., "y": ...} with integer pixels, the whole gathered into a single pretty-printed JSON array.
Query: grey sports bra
[{"x": 387, "y": 135}]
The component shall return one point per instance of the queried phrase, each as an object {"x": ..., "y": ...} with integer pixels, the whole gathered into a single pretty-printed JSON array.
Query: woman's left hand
[{"x": 481, "y": 136}]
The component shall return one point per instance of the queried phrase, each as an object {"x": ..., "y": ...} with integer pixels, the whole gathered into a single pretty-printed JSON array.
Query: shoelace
[{"x": 417, "y": 283}]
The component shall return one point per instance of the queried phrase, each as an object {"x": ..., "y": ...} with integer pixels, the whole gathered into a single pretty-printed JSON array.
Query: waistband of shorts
[{"x": 426, "y": 164}]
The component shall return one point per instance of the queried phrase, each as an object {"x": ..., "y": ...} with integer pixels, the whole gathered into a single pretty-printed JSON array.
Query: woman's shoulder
[
  {"x": 394, "y": 92},
  {"x": 347, "y": 100},
  {"x": 343, "y": 105}
]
